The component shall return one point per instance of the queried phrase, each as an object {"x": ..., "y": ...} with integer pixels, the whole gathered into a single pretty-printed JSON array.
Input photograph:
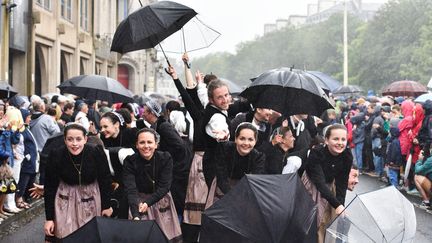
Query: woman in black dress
[
  {"x": 235, "y": 159},
  {"x": 116, "y": 135},
  {"x": 147, "y": 178},
  {"x": 77, "y": 184},
  {"x": 327, "y": 171}
]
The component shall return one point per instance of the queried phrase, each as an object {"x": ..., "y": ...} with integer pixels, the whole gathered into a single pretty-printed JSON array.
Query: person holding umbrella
[
  {"x": 327, "y": 174},
  {"x": 76, "y": 174},
  {"x": 147, "y": 177}
]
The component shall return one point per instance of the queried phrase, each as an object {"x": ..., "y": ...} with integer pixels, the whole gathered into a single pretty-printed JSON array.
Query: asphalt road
[{"x": 33, "y": 231}]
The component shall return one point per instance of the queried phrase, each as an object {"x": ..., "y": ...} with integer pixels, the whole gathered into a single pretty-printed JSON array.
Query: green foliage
[{"x": 395, "y": 45}]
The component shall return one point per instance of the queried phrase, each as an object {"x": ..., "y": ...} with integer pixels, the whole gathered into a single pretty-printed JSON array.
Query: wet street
[{"x": 32, "y": 231}]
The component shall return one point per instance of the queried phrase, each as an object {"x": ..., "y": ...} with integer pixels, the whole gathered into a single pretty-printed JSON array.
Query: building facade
[{"x": 53, "y": 40}]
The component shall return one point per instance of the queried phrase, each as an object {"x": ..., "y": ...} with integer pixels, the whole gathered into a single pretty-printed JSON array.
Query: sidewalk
[{"x": 13, "y": 223}]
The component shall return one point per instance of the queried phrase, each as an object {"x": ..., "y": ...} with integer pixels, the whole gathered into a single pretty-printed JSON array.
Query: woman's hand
[
  {"x": 142, "y": 207},
  {"x": 107, "y": 212},
  {"x": 49, "y": 227},
  {"x": 37, "y": 191},
  {"x": 340, "y": 209}
]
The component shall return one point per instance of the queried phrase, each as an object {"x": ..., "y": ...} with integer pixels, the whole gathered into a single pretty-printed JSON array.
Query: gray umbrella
[
  {"x": 233, "y": 87},
  {"x": 96, "y": 87}
]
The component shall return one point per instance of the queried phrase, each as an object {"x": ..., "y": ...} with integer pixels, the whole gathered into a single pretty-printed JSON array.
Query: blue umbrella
[
  {"x": 329, "y": 81},
  {"x": 422, "y": 98}
]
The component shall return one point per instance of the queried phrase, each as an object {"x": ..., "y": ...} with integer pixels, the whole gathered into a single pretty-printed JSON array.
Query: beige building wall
[{"x": 64, "y": 49}]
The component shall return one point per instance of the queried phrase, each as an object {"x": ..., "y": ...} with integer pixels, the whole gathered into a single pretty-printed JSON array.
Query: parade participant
[
  {"x": 353, "y": 178},
  {"x": 235, "y": 159},
  {"x": 423, "y": 178},
  {"x": 276, "y": 149},
  {"x": 327, "y": 173},
  {"x": 115, "y": 135},
  {"x": 259, "y": 117},
  {"x": 114, "y": 131},
  {"x": 171, "y": 142},
  {"x": 76, "y": 174},
  {"x": 147, "y": 178},
  {"x": 215, "y": 126}
]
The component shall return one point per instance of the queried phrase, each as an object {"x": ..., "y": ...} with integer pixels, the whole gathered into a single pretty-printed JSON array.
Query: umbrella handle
[{"x": 166, "y": 58}]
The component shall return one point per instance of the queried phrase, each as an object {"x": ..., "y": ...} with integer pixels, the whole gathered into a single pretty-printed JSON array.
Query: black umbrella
[
  {"x": 149, "y": 25},
  {"x": 96, "y": 87},
  {"x": 289, "y": 91},
  {"x": 327, "y": 80},
  {"x": 6, "y": 90},
  {"x": 107, "y": 230},
  {"x": 347, "y": 90},
  {"x": 262, "y": 208}
]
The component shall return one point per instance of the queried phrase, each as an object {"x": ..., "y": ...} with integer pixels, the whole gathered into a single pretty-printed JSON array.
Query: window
[
  {"x": 66, "y": 9},
  {"x": 84, "y": 15},
  {"x": 46, "y": 4}
]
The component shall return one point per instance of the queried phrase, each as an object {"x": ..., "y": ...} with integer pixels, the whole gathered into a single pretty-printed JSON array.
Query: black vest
[{"x": 209, "y": 111}]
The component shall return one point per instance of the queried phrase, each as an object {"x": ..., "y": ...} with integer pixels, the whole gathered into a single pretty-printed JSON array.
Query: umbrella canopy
[
  {"x": 233, "y": 87},
  {"x": 331, "y": 83},
  {"x": 193, "y": 36},
  {"x": 6, "y": 90},
  {"x": 262, "y": 209},
  {"x": 405, "y": 88},
  {"x": 347, "y": 90},
  {"x": 369, "y": 218},
  {"x": 149, "y": 25},
  {"x": 107, "y": 230},
  {"x": 96, "y": 87},
  {"x": 288, "y": 91},
  {"x": 422, "y": 98}
]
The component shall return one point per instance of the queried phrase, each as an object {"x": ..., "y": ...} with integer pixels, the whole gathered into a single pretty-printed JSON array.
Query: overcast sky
[{"x": 241, "y": 20}]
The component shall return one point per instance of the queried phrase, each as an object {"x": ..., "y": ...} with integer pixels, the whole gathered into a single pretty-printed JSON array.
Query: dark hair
[
  {"x": 246, "y": 125},
  {"x": 330, "y": 128},
  {"x": 52, "y": 111},
  {"x": 280, "y": 131},
  {"x": 149, "y": 130},
  {"x": 172, "y": 105},
  {"x": 68, "y": 106},
  {"x": 112, "y": 117},
  {"x": 74, "y": 126},
  {"x": 215, "y": 84},
  {"x": 125, "y": 114},
  {"x": 209, "y": 77}
]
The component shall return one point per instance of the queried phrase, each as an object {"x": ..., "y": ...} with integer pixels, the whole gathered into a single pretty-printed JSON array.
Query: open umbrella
[
  {"x": 149, "y": 25},
  {"x": 6, "y": 90},
  {"x": 234, "y": 88},
  {"x": 288, "y": 91},
  {"x": 96, "y": 87},
  {"x": 405, "y": 88},
  {"x": 107, "y": 230},
  {"x": 262, "y": 209},
  {"x": 369, "y": 218},
  {"x": 327, "y": 80},
  {"x": 347, "y": 90},
  {"x": 194, "y": 35},
  {"x": 422, "y": 98}
]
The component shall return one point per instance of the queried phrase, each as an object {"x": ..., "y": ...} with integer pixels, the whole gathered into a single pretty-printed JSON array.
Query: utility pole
[{"x": 345, "y": 45}]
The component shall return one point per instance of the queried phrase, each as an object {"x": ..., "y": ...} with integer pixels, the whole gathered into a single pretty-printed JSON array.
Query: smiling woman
[
  {"x": 235, "y": 159},
  {"x": 326, "y": 177},
  {"x": 80, "y": 170}
]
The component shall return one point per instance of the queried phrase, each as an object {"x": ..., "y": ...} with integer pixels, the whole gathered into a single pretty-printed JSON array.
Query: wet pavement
[{"x": 30, "y": 229}]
